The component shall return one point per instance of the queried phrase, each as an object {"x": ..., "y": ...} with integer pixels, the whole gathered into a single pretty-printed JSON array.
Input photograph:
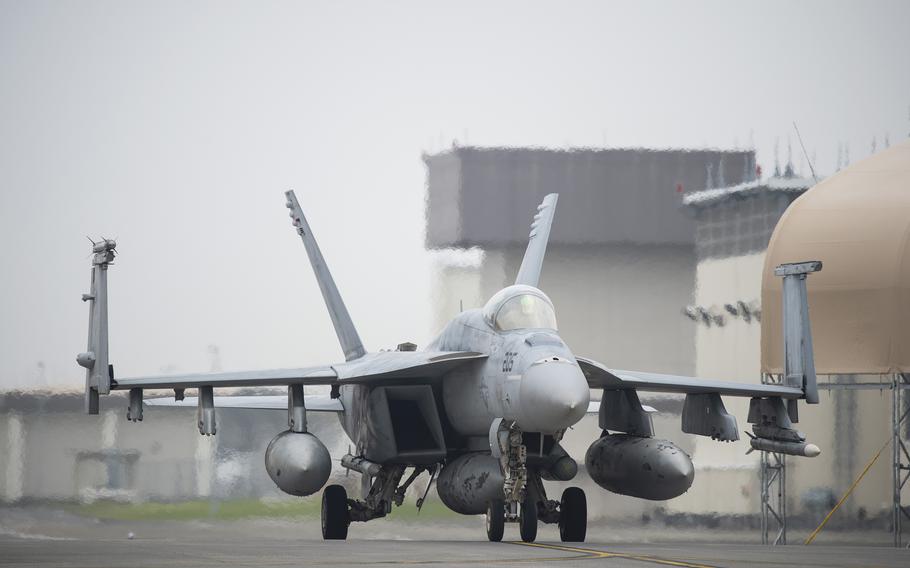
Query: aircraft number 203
[{"x": 508, "y": 359}]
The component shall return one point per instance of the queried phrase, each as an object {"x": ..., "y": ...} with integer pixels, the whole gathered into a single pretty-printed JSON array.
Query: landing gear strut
[
  {"x": 524, "y": 497},
  {"x": 380, "y": 492}
]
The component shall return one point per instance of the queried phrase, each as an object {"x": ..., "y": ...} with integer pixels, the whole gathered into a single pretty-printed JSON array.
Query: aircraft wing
[
  {"x": 600, "y": 376},
  {"x": 314, "y": 403},
  {"x": 594, "y": 407},
  {"x": 385, "y": 365}
]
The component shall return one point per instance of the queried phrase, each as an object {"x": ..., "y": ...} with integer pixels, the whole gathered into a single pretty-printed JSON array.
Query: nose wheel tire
[
  {"x": 496, "y": 521},
  {"x": 335, "y": 519},
  {"x": 573, "y": 515},
  {"x": 527, "y": 520}
]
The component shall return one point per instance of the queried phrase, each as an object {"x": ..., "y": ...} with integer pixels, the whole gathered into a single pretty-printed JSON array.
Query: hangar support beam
[
  {"x": 900, "y": 462},
  {"x": 900, "y": 443},
  {"x": 773, "y": 490}
]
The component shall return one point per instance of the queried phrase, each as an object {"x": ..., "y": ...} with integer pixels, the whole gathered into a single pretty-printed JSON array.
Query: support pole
[
  {"x": 134, "y": 412},
  {"x": 205, "y": 412},
  {"x": 900, "y": 462},
  {"x": 296, "y": 409},
  {"x": 773, "y": 491}
]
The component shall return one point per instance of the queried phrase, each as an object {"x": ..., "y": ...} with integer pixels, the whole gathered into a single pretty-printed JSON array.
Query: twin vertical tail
[
  {"x": 341, "y": 319},
  {"x": 98, "y": 370},
  {"x": 529, "y": 273}
]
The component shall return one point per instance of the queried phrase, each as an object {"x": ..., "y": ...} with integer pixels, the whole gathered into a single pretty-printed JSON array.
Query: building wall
[
  {"x": 486, "y": 196},
  {"x": 848, "y": 426},
  {"x": 620, "y": 304},
  {"x": 727, "y": 352},
  {"x": 50, "y": 450}
]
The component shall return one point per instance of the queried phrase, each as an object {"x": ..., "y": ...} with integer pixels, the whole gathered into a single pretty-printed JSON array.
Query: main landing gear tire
[
  {"x": 335, "y": 519},
  {"x": 573, "y": 515},
  {"x": 496, "y": 521},
  {"x": 527, "y": 520}
]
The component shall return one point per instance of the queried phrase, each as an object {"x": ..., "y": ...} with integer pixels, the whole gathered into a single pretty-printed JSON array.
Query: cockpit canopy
[{"x": 520, "y": 307}]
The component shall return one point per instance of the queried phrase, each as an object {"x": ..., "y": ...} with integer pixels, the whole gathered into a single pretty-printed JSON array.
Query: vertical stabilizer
[
  {"x": 341, "y": 319},
  {"x": 529, "y": 273}
]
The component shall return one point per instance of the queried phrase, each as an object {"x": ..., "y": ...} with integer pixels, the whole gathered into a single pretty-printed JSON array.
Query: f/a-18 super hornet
[{"x": 481, "y": 410}]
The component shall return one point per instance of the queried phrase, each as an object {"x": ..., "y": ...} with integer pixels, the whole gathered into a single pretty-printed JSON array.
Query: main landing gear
[
  {"x": 335, "y": 517},
  {"x": 381, "y": 490},
  {"x": 570, "y": 513}
]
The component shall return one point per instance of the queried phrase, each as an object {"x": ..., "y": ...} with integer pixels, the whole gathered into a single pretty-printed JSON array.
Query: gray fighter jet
[{"x": 482, "y": 409}]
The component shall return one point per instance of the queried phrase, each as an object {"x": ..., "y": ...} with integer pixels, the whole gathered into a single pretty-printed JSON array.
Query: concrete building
[
  {"x": 50, "y": 450},
  {"x": 621, "y": 258},
  {"x": 733, "y": 225}
]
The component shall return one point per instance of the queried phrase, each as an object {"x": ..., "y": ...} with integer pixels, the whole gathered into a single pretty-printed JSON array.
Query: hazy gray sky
[{"x": 176, "y": 126}]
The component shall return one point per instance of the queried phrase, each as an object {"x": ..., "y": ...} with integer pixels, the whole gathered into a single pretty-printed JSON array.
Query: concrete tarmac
[{"x": 56, "y": 539}]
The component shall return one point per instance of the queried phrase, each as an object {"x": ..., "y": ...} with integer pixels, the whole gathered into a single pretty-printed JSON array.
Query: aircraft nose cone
[{"x": 554, "y": 395}]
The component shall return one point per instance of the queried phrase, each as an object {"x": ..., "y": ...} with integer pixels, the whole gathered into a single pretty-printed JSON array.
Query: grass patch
[
  {"x": 193, "y": 510},
  {"x": 237, "y": 509}
]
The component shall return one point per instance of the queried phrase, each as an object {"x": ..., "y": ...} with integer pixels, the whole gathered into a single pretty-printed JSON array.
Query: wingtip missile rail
[
  {"x": 98, "y": 371},
  {"x": 801, "y": 449}
]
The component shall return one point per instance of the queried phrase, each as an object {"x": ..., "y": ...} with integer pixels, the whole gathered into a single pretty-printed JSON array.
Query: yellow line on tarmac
[
  {"x": 847, "y": 494},
  {"x": 592, "y": 553}
]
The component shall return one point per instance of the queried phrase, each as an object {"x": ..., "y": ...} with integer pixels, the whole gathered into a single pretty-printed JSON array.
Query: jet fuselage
[{"x": 530, "y": 375}]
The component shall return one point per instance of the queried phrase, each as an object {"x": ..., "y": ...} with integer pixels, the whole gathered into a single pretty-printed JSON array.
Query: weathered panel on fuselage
[
  {"x": 394, "y": 423},
  {"x": 475, "y": 395},
  {"x": 354, "y": 420}
]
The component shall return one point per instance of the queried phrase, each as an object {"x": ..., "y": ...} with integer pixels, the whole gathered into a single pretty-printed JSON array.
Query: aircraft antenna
[{"x": 803, "y": 146}]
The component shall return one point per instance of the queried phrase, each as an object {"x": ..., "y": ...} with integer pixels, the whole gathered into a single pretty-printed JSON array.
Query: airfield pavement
[{"x": 59, "y": 539}]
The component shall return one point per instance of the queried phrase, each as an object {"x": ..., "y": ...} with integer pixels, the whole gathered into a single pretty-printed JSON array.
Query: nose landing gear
[
  {"x": 570, "y": 513},
  {"x": 524, "y": 497},
  {"x": 527, "y": 519},
  {"x": 496, "y": 521}
]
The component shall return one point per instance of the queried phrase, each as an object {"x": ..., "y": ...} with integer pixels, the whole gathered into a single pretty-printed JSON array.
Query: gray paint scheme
[{"x": 501, "y": 381}]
